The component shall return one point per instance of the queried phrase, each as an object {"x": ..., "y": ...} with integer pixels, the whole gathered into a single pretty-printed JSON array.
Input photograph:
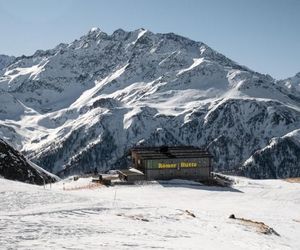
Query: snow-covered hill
[
  {"x": 167, "y": 215},
  {"x": 84, "y": 104},
  {"x": 14, "y": 166}
]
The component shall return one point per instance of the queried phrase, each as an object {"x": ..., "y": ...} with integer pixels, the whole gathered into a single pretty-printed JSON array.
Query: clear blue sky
[{"x": 261, "y": 34}]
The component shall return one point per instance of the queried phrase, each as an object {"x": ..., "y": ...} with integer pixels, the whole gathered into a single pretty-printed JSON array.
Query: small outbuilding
[
  {"x": 131, "y": 175},
  {"x": 181, "y": 162}
]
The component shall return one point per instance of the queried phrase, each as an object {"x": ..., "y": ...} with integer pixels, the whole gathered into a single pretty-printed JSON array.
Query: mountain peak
[
  {"x": 142, "y": 29},
  {"x": 94, "y": 33},
  {"x": 95, "y": 30}
]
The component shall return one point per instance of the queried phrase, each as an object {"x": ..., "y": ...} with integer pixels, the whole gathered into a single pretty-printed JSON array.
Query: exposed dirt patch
[
  {"x": 260, "y": 227},
  {"x": 89, "y": 186},
  {"x": 190, "y": 213}
]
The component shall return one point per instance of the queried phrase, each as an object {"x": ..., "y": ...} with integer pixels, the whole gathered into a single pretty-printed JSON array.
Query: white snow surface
[
  {"x": 153, "y": 215},
  {"x": 196, "y": 62}
]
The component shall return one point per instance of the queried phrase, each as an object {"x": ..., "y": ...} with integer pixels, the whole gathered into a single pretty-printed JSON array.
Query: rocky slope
[
  {"x": 84, "y": 104},
  {"x": 280, "y": 158},
  {"x": 14, "y": 166},
  {"x": 292, "y": 83},
  {"x": 5, "y": 61}
]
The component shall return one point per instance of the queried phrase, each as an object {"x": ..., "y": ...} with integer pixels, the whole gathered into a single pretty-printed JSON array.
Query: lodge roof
[
  {"x": 128, "y": 172},
  {"x": 165, "y": 152}
]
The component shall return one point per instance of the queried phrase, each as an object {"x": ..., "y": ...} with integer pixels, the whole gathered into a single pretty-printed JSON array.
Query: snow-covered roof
[{"x": 131, "y": 171}]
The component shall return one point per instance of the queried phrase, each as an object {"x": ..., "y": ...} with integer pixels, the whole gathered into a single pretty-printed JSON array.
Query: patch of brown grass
[
  {"x": 259, "y": 226},
  {"x": 293, "y": 180}
]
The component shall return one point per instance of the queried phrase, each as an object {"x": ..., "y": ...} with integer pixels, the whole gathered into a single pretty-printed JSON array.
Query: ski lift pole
[{"x": 115, "y": 197}]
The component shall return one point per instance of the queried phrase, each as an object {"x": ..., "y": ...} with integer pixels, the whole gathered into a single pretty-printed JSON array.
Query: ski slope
[{"x": 166, "y": 215}]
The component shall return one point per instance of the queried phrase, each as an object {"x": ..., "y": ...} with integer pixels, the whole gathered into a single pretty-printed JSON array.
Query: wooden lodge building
[{"x": 181, "y": 162}]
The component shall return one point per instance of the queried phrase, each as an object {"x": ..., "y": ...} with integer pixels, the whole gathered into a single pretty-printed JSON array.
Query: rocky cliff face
[
  {"x": 84, "y": 104},
  {"x": 14, "y": 166},
  {"x": 279, "y": 159}
]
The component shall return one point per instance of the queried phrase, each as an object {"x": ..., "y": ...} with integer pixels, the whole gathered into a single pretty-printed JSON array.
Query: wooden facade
[{"x": 163, "y": 163}]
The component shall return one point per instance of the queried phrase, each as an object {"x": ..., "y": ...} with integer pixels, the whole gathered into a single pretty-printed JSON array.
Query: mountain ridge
[{"x": 84, "y": 104}]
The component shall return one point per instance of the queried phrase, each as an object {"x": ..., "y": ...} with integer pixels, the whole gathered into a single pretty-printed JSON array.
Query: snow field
[{"x": 157, "y": 215}]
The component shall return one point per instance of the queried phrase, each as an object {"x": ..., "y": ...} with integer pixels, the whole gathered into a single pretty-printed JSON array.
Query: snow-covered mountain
[
  {"x": 84, "y": 104},
  {"x": 14, "y": 166}
]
